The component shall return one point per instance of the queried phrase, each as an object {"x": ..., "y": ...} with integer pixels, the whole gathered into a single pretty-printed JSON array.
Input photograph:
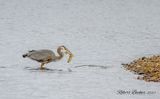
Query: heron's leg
[{"x": 42, "y": 64}]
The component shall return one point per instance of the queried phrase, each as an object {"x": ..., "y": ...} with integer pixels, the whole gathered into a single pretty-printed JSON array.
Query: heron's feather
[{"x": 41, "y": 55}]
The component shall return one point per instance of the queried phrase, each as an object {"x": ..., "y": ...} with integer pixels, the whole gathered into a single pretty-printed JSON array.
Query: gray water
[{"x": 102, "y": 34}]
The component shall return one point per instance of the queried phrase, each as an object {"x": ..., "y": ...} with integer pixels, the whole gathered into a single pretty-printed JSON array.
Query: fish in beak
[{"x": 69, "y": 53}]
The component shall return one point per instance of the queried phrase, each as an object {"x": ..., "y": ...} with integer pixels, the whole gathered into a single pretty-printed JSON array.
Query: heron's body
[
  {"x": 41, "y": 55},
  {"x": 45, "y": 56}
]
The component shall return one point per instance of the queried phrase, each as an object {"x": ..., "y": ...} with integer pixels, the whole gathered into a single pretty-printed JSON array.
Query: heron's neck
[{"x": 60, "y": 55}]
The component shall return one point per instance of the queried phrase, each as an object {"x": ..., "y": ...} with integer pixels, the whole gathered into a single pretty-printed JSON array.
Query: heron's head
[{"x": 63, "y": 49}]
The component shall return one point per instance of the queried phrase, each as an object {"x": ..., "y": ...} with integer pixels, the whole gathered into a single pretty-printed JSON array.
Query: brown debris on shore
[{"x": 147, "y": 67}]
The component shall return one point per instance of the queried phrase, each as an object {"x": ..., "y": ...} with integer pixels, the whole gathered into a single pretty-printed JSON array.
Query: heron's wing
[{"x": 41, "y": 55}]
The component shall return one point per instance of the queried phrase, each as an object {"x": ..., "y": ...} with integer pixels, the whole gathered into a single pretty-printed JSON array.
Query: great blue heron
[{"x": 45, "y": 56}]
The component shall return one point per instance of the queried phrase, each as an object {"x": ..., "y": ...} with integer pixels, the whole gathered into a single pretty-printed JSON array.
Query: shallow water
[{"x": 102, "y": 34}]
